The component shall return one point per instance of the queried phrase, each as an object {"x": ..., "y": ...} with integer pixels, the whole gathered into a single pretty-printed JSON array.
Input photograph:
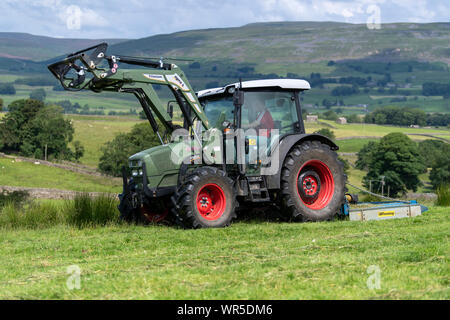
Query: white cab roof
[{"x": 295, "y": 84}]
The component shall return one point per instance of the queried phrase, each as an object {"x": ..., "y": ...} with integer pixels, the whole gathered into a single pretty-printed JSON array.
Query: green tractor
[{"x": 241, "y": 145}]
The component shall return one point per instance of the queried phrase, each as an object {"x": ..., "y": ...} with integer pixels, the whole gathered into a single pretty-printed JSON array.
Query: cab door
[{"x": 266, "y": 116}]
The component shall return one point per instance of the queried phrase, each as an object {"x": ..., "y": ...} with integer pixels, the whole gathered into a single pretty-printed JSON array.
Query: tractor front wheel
[
  {"x": 206, "y": 199},
  {"x": 155, "y": 213}
]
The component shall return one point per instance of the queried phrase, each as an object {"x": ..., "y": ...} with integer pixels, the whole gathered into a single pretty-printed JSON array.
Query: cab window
[
  {"x": 218, "y": 110},
  {"x": 270, "y": 110}
]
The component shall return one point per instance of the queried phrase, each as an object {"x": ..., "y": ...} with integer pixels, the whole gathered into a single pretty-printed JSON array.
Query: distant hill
[
  {"x": 288, "y": 43},
  {"x": 30, "y": 47},
  {"x": 351, "y": 69},
  {"x": 280, "y": 43}
]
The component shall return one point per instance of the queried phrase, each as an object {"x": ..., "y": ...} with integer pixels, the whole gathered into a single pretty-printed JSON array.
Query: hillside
[
  {"x": 283, "y": 43},
  {"x": 30, "y": 47},
  {"x": 290, "y": 43},
  {"x": 351, "y": 68}
]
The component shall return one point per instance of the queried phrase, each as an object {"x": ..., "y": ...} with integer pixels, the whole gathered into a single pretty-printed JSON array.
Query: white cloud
[{"x": 137, "y": 18}]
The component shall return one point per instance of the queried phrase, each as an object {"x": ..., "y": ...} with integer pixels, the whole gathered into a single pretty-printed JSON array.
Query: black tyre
[
  {"x": 312, "y": 183},
  {"x": 205, "y": 199},
  {"x": 127, "y": 204}
]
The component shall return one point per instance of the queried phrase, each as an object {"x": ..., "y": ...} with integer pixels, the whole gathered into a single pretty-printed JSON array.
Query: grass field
[
  {"x": 250, "y": 260},
  {"x": 356, "y": 130},
  {"x": 352, "y": 145},
  {"x": 25, "y": 174},
  {"x": 94, "y": 132},
  {"x": 108, "y": 101}
]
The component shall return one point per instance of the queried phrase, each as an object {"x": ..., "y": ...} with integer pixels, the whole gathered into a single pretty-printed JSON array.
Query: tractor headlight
[
  {"x": 134, "y": 173},
  {"x": 141, "y": 172}
]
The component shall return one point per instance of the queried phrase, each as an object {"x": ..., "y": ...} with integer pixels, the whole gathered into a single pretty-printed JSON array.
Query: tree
[
  {"x": 79, "y": 150},
  {"x": 14, "y": 124},
  {"x": 365, "y": 156},
  {"x": 353, "y": 118},
  {"x": 397, "y": 116},
  {"x": 440, "y": 172},
  {"x": 432, "y": 150},
  {"x": 326, "y": 132},
  {"x": 116, "y": 152},
  {"x": 330, "y": 115},
  {"x": 397, "y": 158},
  {"x": 7, "y": 88},
  {"x": 38, "y": 94},
  {"x": 345, "y": 90},
  {"x": 327, "y": 103},
  {"x": 1, "y": 104},
  {"x": 435, "y": 89},
  {"x": 380, "y": 118},
  {"x": 195, "y": 65},
  {"x": 30, "y": 128}
]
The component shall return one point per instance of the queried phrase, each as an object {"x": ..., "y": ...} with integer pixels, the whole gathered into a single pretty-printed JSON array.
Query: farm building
[
  {"x": 312, "y": 119},
  {"x": 341, "y": 120}
]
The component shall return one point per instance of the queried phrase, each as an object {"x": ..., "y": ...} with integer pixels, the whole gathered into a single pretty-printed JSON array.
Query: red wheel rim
[
  {"x": 152, "y": 216},
  {"x": 211, "y": 201},
  {"x": 310, "y": 184}
]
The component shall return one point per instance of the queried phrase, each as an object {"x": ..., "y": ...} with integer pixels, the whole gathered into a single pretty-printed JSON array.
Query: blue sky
[{"x": 140, "y": 18}]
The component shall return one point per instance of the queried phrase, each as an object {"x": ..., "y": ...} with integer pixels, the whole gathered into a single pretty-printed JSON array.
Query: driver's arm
[{"x": 255, "y": 123}]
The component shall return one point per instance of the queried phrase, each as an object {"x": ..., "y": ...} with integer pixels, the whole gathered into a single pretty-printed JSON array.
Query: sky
[{"x": 139, "y": 18}]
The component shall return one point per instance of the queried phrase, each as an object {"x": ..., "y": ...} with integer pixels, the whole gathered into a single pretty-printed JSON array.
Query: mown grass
[
  {"x": 25, "y": 174},
  {"x": 255, "y": 259}
]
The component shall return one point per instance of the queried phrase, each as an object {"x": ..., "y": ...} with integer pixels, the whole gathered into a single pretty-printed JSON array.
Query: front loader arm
[{"x": 86, "y": 70}]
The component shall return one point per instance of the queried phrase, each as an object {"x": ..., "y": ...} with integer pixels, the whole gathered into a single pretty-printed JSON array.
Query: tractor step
[{"x": 258, "y": 191}]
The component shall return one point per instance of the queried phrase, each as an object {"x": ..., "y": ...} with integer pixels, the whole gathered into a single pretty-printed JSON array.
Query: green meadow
[
  {"x": 252, "y": 259},
  {"x": 26, "y": 174}
]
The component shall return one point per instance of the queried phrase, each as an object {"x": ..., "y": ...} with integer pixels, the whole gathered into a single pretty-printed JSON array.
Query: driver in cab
[{"x": 259, "y": 117}]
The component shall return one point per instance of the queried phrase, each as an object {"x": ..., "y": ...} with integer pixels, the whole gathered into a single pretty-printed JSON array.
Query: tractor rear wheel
[
  {"x": 312, "y": 182},
  {"x": 205, "y": 199}
]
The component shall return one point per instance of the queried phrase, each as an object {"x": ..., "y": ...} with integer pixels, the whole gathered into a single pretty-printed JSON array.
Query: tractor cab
[
  {"x": 267, "y": 105},
  {"x": 259, "y": 116}
]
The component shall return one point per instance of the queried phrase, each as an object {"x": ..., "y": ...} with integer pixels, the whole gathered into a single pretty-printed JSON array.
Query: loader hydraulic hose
[{"x": 148, "y": 113}]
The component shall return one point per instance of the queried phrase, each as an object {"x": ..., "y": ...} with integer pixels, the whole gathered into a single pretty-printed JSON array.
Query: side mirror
[
  {"x": 238, "y": 98},
  {"x": 170, "y": 109}
]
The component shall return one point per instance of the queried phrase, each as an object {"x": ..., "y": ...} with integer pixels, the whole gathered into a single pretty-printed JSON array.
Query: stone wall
[{"x": 44, "y": 193}]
